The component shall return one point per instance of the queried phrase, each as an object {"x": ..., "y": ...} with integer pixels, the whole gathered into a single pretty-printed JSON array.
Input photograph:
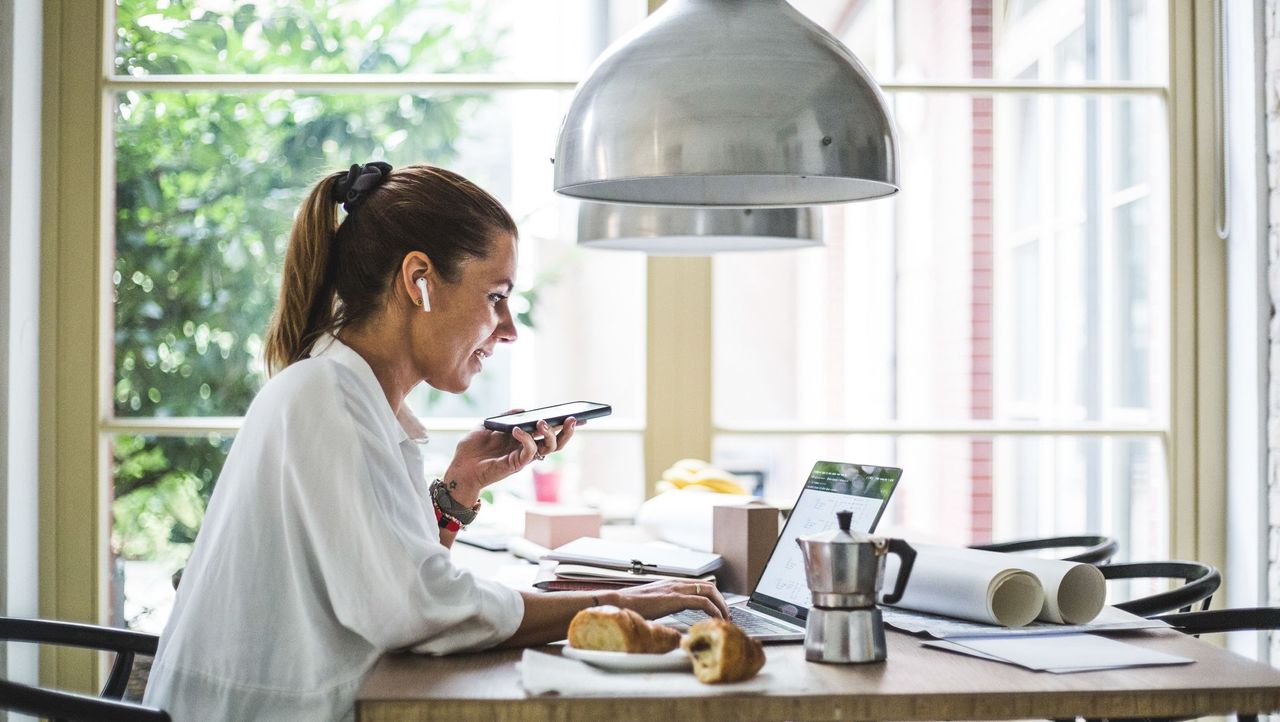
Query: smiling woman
[{"x": 318, "y": 543}]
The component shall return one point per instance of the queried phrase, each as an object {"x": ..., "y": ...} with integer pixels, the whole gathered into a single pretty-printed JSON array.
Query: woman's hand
[
  {"x": 484, "y": 456},
  {"x": 659, "y": 599}
]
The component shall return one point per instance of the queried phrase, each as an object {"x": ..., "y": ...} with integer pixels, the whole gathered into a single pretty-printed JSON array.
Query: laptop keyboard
[{"x": 750, "y": 623}]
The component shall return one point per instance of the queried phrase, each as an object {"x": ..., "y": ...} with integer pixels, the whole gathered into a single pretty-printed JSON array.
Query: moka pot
[{"x": 845, "y": 570}]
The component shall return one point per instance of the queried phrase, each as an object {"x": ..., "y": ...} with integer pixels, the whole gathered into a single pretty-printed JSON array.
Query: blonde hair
[{"x": 335, "y": 274}]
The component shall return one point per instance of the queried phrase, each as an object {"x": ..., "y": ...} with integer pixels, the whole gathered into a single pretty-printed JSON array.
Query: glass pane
[
  {"x": 160, "y": 488},
  {"x": 998, "y": 284},
  {"x": 1025, "y": 127},
  {"x": 1048, "y": 486},
  {"x": 207, "y": 185},
  {"x": 1025, "y": 328},
  {"x": 1071, "y": 40},
  {"x": 961, "y": 490},
  {"x": 1133, "y": 310},
  {"x": 550, "y": 38}
]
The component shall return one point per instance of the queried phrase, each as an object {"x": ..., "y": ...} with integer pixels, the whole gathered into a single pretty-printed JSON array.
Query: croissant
[
  {"x": 721, "y": 652},
  {"x": 611, "y": 629}
]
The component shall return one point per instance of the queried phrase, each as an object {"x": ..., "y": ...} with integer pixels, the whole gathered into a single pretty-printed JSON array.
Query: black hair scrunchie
[{"x": 351, "y": 189}]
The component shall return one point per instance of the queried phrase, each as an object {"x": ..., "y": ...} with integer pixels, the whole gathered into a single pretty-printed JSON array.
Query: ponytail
[{"x": 305, "y": 309}]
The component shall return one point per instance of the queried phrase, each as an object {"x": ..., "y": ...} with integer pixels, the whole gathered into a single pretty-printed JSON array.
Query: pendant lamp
[
  {"x": 741, "y": 103},
  {"x": 696, "y": 231}
]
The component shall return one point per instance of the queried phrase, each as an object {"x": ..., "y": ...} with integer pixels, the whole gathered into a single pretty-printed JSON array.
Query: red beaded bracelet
[{"x": 449, "y": 523}]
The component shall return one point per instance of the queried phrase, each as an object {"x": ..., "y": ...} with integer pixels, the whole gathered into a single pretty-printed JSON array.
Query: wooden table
[{"x": 916, "y": 683}]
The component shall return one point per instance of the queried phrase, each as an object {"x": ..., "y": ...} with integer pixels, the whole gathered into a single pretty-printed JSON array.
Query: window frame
[{"x": 76, "y": 311}]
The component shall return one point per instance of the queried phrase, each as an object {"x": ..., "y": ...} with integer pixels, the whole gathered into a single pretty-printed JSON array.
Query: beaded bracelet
[{"x": 446, "y": 522}]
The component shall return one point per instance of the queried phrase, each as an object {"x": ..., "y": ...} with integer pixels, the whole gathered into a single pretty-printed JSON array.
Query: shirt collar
[{"x": 405, "y": 424}]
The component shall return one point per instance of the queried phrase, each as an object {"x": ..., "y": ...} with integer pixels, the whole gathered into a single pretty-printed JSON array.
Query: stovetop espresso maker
[{"x": 845, "y": 570}]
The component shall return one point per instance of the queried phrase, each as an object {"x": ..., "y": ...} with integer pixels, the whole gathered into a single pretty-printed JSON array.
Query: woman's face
[{"x": 469, "y": 318}]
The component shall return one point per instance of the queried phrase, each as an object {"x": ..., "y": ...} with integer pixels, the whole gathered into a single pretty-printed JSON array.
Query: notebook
[
  {"x": 779, "y": 605},
  {"x": 636, "y": 558}
]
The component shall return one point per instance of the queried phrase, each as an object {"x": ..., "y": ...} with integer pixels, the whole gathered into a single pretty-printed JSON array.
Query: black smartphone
[{"x": 553, "y": 415}]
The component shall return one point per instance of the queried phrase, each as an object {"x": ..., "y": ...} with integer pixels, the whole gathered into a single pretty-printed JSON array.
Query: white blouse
[{"x": 319, "y": 552}]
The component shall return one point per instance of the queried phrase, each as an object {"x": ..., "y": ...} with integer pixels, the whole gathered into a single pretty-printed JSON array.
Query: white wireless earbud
[{"x": 426, "y": 302}]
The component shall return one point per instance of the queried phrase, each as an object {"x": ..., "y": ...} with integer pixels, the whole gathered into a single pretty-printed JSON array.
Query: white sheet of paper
[
  {"x": 1066, "y": 653},
  {"x": 953, "y": 647},
  {"x": 941, "y": 627}
]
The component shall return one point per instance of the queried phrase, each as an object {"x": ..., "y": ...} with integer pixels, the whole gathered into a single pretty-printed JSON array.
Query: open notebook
[{"x": 636, "y": 558}]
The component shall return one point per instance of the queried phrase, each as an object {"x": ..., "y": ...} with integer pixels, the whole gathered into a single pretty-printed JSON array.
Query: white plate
[{"x": 624, "y": 662}]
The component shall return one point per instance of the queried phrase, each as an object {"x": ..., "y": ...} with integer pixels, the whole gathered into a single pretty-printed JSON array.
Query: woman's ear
[{"x": 415, "y": 268}]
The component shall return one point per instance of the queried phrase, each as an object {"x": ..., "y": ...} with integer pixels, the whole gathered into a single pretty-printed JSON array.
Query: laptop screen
[{"x": 832, "y": 486}]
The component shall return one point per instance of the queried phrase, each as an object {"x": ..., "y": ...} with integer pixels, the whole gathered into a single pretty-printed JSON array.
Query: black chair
[
  {"x": 1200, "y": 581},
  {"x": 62, "y": 705},
  {"x": 1094, "y": 548},
  {"x": 1216, "y": 621}
]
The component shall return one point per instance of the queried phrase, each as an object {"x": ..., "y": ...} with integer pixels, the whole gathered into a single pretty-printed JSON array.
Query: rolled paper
[
  {"x": 1008, "y": 590},
  {"x": 990, "y": 589}
]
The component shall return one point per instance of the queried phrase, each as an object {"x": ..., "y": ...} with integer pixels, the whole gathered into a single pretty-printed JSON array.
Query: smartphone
[{"x": 553, "y": 415}]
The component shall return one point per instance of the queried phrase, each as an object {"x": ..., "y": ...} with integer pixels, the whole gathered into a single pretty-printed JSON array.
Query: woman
[{"x": 323, "y": 546}]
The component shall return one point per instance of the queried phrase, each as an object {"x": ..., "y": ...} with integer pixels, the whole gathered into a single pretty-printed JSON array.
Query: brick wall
[{"x": 983, "y": 276}]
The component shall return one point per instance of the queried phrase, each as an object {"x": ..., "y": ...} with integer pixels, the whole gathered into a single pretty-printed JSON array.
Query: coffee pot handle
[{"x": 908, "y": 556}]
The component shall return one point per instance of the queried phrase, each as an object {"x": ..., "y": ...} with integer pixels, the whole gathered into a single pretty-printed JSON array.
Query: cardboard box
[
  {"x": 552, "y": 526},
  {"x": 743, "y": 535}
]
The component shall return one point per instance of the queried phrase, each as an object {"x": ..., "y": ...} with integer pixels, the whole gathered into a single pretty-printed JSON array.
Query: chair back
[
  {"x": 1200, "y": 583},
  {"x": 59, "y": 704},
  {"x": 1093, "y": 548}
]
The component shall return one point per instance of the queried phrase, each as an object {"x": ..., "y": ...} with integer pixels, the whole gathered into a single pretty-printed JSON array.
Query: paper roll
[
  {"x": 1005, "y": 589},
  {"x": 1073, "y": 593},
  {"x": 986, "y": 589}
]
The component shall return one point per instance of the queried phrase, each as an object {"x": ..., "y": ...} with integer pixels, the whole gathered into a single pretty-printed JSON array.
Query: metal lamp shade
[
  {"x": 742, "y": 103},
  {"x": 696, "y": 231}
]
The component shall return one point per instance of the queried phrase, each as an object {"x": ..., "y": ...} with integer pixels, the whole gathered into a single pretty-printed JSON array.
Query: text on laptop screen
[{"x": 832, "y": 487}]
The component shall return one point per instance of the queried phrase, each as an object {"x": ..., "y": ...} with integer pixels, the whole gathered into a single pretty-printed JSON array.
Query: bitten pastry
[
  {"x": 721, "y": 652},
  {"x": 610, "y": 629}
]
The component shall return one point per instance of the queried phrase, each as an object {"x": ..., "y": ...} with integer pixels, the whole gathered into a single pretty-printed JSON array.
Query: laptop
[{"x": 779, "y": 605}]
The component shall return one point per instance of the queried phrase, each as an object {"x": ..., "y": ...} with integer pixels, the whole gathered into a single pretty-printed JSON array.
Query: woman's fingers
[
  {"x": 548, "y": 438},
  {"x": 566, "y": 432},
  {"x": 693, "y": 601},
  {"x": 551, "y": 441},
  {"x": 681, "y": 594},
  {"x": 528, "y": 447},
  {"x": 713, "y": 595},
  {"x": 709, "y": 592}
]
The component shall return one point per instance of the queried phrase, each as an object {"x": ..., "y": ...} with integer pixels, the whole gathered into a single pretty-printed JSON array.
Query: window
[
  {"x": 224, "y": 115},
  {"x": 1000, "y": 327}
]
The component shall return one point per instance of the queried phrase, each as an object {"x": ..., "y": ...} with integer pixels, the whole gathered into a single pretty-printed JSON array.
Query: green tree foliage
[{"x": 206, "y": 187}]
